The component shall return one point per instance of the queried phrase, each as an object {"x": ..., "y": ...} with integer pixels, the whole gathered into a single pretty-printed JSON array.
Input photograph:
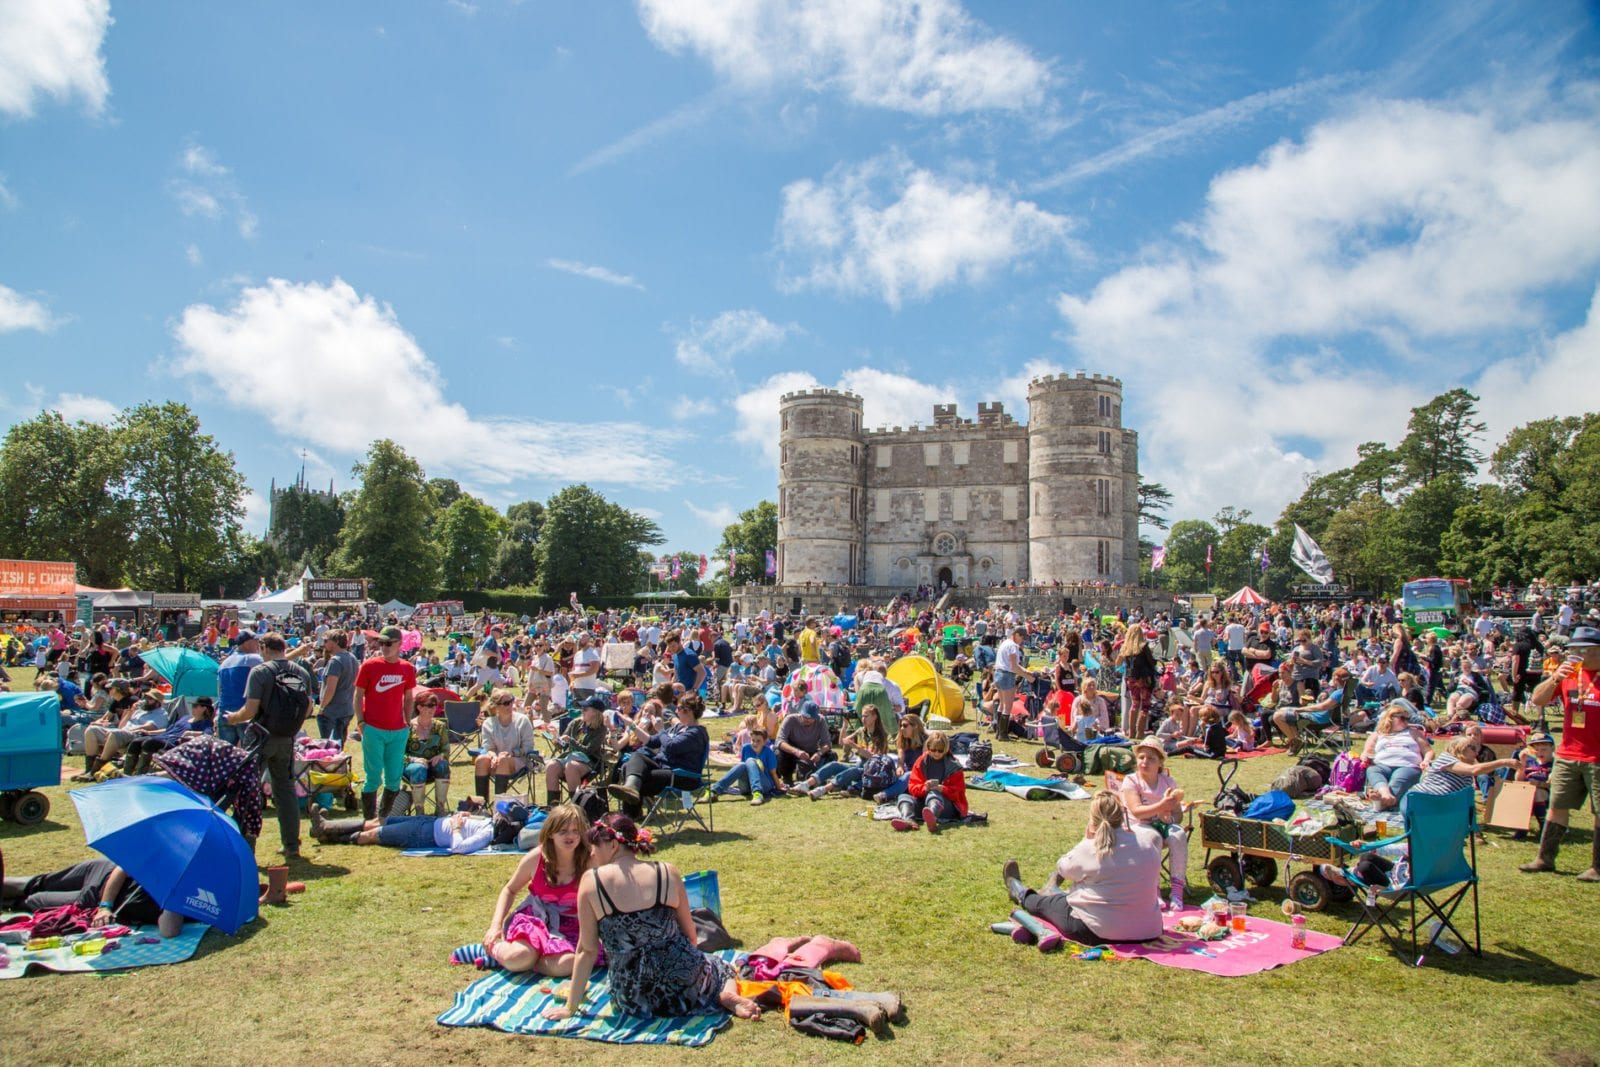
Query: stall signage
[
  {"x": 335, "y": 590},
  {"x": 172, "y": 601},
  {"x": 24, "y": 577}
]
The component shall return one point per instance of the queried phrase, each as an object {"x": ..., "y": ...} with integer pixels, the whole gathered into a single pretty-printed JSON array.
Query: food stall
[{"x": 38, "y": 591}]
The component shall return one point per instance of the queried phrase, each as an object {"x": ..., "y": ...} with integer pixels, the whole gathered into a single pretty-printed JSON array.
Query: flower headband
[{"x": 642, "y": 840}]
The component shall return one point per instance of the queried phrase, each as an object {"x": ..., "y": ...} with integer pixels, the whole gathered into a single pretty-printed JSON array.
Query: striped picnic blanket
[{"x": 515, "y": 1004}]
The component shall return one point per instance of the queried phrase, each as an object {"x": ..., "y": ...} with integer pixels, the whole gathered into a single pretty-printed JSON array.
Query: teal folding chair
[
  {"x": 686, "y": 800},
  {"x": 1442, "y": 851}
]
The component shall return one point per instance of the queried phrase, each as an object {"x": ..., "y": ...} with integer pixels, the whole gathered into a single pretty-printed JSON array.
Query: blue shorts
[{"x": 1006, "y": 680}]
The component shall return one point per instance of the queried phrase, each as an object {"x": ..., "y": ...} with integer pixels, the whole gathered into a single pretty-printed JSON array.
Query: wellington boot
[
  {"x": 441, "y": 796},
  {"x": 1013, "y": 879},
  {"x": 629, "y": 790},
  {"x": 337, "y": 831},
  {"x": 866, "y": 1012},
  {"x": 482, "y": 788},
  {"x": 891, "y": 1003},
  {"x": 394, "y": 803},
  {"x": 369, "y": 805},
  {"x": 502, "y": 782},
  {"x": 1549, "y": 845},
  {"x": 419, "y": 798},
  {"x": 276, "y": 891},
  {"x": 1593, "y": 873}
]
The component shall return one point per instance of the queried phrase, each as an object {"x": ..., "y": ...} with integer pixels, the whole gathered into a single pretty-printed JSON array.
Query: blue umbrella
[
  {"x": 188, "y": 672},
  {"x": 178, "y": 845}
]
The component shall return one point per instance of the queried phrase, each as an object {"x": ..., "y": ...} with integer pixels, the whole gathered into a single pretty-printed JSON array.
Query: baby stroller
[{"x": 228, "y": 774}]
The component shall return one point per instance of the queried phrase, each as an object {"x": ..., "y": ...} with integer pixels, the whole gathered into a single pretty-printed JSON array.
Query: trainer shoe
[
  {"x": 758, "y": 799},
  {"x": 930, "y": 820},
  {"x": 903, "y": 825}
]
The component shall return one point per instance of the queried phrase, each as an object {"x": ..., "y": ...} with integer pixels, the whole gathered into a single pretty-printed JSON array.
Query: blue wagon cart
[{"x": 30, "y": 754}]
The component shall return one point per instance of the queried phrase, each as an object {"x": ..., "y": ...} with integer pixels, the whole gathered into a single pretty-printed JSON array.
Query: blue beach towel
[{"x": 129, "y": 954}]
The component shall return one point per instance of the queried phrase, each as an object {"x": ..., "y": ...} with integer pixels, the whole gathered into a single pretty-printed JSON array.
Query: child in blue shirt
[{"x": 756, "y": 771}]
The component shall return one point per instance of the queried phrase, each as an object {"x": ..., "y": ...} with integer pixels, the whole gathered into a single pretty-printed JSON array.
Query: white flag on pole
[{"x": 1309, "y": 557}]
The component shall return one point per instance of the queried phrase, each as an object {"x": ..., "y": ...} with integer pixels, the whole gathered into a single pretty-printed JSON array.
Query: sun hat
[
  {"x": 1541, "y": 738},
  {"x": 1584, "y": 637},
  {"x": 1153, "y": 744}
]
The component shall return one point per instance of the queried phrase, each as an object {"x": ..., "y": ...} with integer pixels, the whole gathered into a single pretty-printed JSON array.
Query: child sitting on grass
[{"x": 937, "y": 790}]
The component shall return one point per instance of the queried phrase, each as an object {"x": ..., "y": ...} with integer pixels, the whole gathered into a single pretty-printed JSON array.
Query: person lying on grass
[
  {"x": 461, "y": 832},
  {"x": 98, "y": 883},
  {"x": 541, "y": 934},
  {"x": 639, "y": 913},
  {"x": 845, "y": 775},
  {"x": 937, "y": 790},
  {"x": 1115, "y": 873}
]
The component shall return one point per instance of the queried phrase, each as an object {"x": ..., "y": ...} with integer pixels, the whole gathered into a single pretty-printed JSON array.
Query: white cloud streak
[
  {"x": 207, "y": 189},
  {"x": 712, "y": 347},
  {"x": 676, "y": 121},
  {"x": 594, "y": 273},
  {"x": 18, "y": 312},
  {"x": 925, "y": 57},
  {"x": 52, "y": 48},
  {"x": 76, "y": 407},
  {"x": 326, "y": 365},
  {"x": 890, "y": 229}
]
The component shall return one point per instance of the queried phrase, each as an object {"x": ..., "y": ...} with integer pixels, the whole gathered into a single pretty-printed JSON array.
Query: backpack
[
  {"x": 877, "y": 774},
  {"x": 1348, "y": 774},
  {"x": 591, "y": 802},
  {"x": 288, "y": 701},
  {"x": 1297, "y": 781},
  {"x": 1320, "y": 765},
  {"x": 1269, "y": 806},
  {"x": 980, "y": 756}
]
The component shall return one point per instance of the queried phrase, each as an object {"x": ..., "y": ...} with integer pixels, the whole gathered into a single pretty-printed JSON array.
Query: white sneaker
[{"x": 758, "y": 799}]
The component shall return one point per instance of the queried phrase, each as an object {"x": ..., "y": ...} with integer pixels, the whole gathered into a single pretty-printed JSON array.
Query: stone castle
[{"x": 960, "y": 503}]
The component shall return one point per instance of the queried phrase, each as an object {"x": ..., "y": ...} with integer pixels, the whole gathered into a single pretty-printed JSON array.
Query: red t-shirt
[
  {"x": 384, "y": 686},
  {"x": 1581, "y": 743}
]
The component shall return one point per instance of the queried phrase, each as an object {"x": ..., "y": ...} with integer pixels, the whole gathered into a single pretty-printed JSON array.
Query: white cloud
[
  {"x": 1342, "y": 279},
  {"x": 716, "y": 517},
  {"x": 676, "y": 121},
  {"x": 893, "y": 230},
  {"x": 687, "y": 407},
  {"x": 599, "y": 274},
  {"x": 75, "y": 407},
  {"x": 330, "y": 367},
  {"x": 1558, "y": 378},
  {"x": 52, "y": 48},
  {"x": 1174, "y": 135},
  {"x": 257, "y": 510},
  {"x": 18, "y": 312},
  {"x": 926, "y": 57},
  {"x": 207, "y": 189},
  {"x": 191, "y": 252},
  {"x": 755, "y": 411},
  {"x": 888, "y": 399},
  {"x": 711, "y": 348},
  {"x": 8, "y": 199}
]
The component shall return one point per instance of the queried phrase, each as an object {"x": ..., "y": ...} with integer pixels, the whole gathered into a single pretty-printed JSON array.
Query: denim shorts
[{"x": 1006, "y": 680}]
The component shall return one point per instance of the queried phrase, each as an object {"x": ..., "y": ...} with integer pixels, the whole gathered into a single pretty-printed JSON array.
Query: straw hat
[{"x": 1153, "y": 745}]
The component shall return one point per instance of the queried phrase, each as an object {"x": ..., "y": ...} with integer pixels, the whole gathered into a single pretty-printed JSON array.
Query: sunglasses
[{"x": 427, "y": 703}]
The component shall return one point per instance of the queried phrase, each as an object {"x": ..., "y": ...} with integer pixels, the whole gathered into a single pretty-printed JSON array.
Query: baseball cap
[
  {"x": 390, "y": 633},
  {"x": 598, "y": 703}
]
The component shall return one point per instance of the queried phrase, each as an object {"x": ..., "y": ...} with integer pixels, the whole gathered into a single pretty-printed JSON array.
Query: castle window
[
  {"x": 785, "y": 420},
  {"x": 1105, "y": 442},
  {"x": 944, "y": 545},
  {"x": 1105, "y": 407},
  {"x": 853, "y": 506},
  {"x": 783, "y": 503},
  {"x": 855, "y": 455},
  {"x": 1009, "y": 452},
  {"x": 1037, "y": 509}
]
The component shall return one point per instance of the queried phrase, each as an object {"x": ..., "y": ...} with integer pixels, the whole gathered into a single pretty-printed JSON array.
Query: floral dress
[{"x": 654, "y": 969}]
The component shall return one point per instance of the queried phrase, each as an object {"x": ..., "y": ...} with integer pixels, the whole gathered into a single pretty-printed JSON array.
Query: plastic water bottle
[{"x": 1297, "y": 936}]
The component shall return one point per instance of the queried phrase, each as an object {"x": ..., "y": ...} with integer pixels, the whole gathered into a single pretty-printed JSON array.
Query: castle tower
[
  {"x": 1077, "y": 478},
  {"x": 822, "y": 499},
  {"x": 1130, "y": 507}
]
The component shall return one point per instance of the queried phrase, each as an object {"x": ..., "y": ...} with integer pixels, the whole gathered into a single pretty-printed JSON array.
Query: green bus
[{"x": 1429, "y": 602}]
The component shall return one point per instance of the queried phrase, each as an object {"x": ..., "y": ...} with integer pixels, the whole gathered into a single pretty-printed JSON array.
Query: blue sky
[{"x": 539, "y": 242}]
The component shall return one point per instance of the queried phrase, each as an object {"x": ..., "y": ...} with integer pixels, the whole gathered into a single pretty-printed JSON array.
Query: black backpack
[
  {"x": 288, "y": 701},
  {"x": 592, "y": 803},
  {"x": 980, "y": 757}
]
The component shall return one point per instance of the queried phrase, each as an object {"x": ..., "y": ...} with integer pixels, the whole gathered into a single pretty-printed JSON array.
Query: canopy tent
[
  {"x": 822, "y": 686},
  {"x": 280, "y": 603},
  {"x": 664, "y": 594},
  {"x": 398, "y": 607},
  {"x": 920, "y": 680},
  {"x": 1245, "y": 598},
  {"x": 122, "y": 599}
]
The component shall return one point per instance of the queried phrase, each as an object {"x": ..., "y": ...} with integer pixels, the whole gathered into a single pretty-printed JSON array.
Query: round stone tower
[
  {"x": 1076, "y": 479},
  {"x": 822, "y": 497}
]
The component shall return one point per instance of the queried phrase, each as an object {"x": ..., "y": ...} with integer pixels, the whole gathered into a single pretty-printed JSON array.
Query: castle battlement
[
  {"x": 820, "y": 394},
  {"x": 1076, "y": 380}
]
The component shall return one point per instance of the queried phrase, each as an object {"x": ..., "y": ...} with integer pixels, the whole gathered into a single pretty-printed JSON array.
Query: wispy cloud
[
  {"x": 18, "y": 312},
  {"x": 8, "y": 199},
  {"x": 711, "y": 348},
  {"x": 689, "y": 407},
  {"x": 717, "y": 516},
  {"x": 594, "y": 273},
  {"x": 1175, "y": 135},
  {"x": 674, "y": 122},
  {"x": 76, "y": 407},
  {"x": 193, "y": 255},
  {"x": 206, "y": 189}
]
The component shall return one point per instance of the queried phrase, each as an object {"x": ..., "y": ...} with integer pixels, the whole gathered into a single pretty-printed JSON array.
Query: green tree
[
  {"x": 1358, "y": 543},
  {"x": 591, "y": 546},
  {"x": 515, "y": 559},
  {"x": 468, "y": 534},
  {"x": 1229, "y": 517},
  {"x": 1439, "y": 439},
  {"x": 248, "y": 561},
  {"x": 1154, "y": 501},
  {"x": 305, "y": 526},
  {"x": 60, "y": 496},
  {"x": 1185, "y": 569},
  {"x": 688, "y": 579},
  {"x": 1237, "y": 560},
  {"x": 749, "y": 539},
  {"x": 1376, "y": 469},
  {"x": 385, "y": 536},
  {"x": 185, "y": 492}
]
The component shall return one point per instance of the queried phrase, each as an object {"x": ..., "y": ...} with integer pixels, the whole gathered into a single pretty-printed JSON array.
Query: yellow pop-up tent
[{"x": 920, "y": 680}]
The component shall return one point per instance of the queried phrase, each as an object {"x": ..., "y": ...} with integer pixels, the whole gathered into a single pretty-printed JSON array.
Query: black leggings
[
  {"x": 653, "y": 778},
  {"x": 1054, "y": 909}
]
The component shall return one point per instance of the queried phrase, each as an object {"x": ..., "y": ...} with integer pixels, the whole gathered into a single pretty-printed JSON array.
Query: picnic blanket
[
  {"x": 515, "y": 1004},
  {"x": 129, "y": 954},
  {"x": 1263, "y": 945},
  {"x": 1254, "y": 752},
  {"x": 488, "y": 850},
  {"x": 1028, "y": 787}
]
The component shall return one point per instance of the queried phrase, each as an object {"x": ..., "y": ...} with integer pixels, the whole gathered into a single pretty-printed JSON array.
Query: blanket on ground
[
  {"x": 1028, "y": 787},
  {"x": 1263, "y": 945},
  {"x": 129, "y": 953},
  {"x": 515, "y": 1004}
]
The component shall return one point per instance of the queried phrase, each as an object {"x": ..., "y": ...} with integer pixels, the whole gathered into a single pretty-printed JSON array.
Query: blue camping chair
[
  {"x": 686, "y": 800},
  {"x": 1442, "y": 852}
]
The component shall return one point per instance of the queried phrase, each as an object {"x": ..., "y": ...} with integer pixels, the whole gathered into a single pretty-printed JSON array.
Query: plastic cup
[
  {"x": 1383, "y": 827},
  {"x": 1238, "y": 912}
]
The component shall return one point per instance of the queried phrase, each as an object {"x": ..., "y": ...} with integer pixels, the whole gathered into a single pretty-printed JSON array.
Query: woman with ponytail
[
  {"x": 1115, "y": 873},
  {"x": 639, "y": 912}
]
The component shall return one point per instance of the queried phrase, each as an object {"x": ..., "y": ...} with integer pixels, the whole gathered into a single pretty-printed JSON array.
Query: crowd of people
[{"x": 605, "y": 709}]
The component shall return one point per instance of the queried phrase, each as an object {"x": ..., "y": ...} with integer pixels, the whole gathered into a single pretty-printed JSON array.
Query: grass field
[{"x": 354, "y": 972}]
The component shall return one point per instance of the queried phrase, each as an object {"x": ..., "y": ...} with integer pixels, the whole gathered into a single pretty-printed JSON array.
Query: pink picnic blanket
[{"x": 1262, "y": 946}]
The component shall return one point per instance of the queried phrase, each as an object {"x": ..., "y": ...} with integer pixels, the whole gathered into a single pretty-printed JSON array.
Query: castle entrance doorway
[{"x": 945, "y": 577}]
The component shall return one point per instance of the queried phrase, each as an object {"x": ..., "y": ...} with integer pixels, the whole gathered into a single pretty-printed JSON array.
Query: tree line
[{"x": 1422, "y": 507}]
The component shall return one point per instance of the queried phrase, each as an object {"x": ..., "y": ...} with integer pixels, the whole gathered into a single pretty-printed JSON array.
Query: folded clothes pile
[{"x": 788, "y": 972}]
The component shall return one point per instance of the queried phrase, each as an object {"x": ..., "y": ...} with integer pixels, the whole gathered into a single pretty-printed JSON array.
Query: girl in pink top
[{"x": 542, "y": 934}]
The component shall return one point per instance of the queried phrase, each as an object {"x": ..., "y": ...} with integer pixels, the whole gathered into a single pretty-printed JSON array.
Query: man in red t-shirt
[
  {"x": 1573, "y": 779},
  {"x": 383, "y": 715}
]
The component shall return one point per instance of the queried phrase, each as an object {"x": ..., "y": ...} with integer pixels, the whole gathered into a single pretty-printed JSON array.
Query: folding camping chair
[
  {"x": 1442, "y": 851},
  {"x": 686, "y": 800},
  {"x": 461, "y": 719},
  {"x": 1335, "y": 737}
]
